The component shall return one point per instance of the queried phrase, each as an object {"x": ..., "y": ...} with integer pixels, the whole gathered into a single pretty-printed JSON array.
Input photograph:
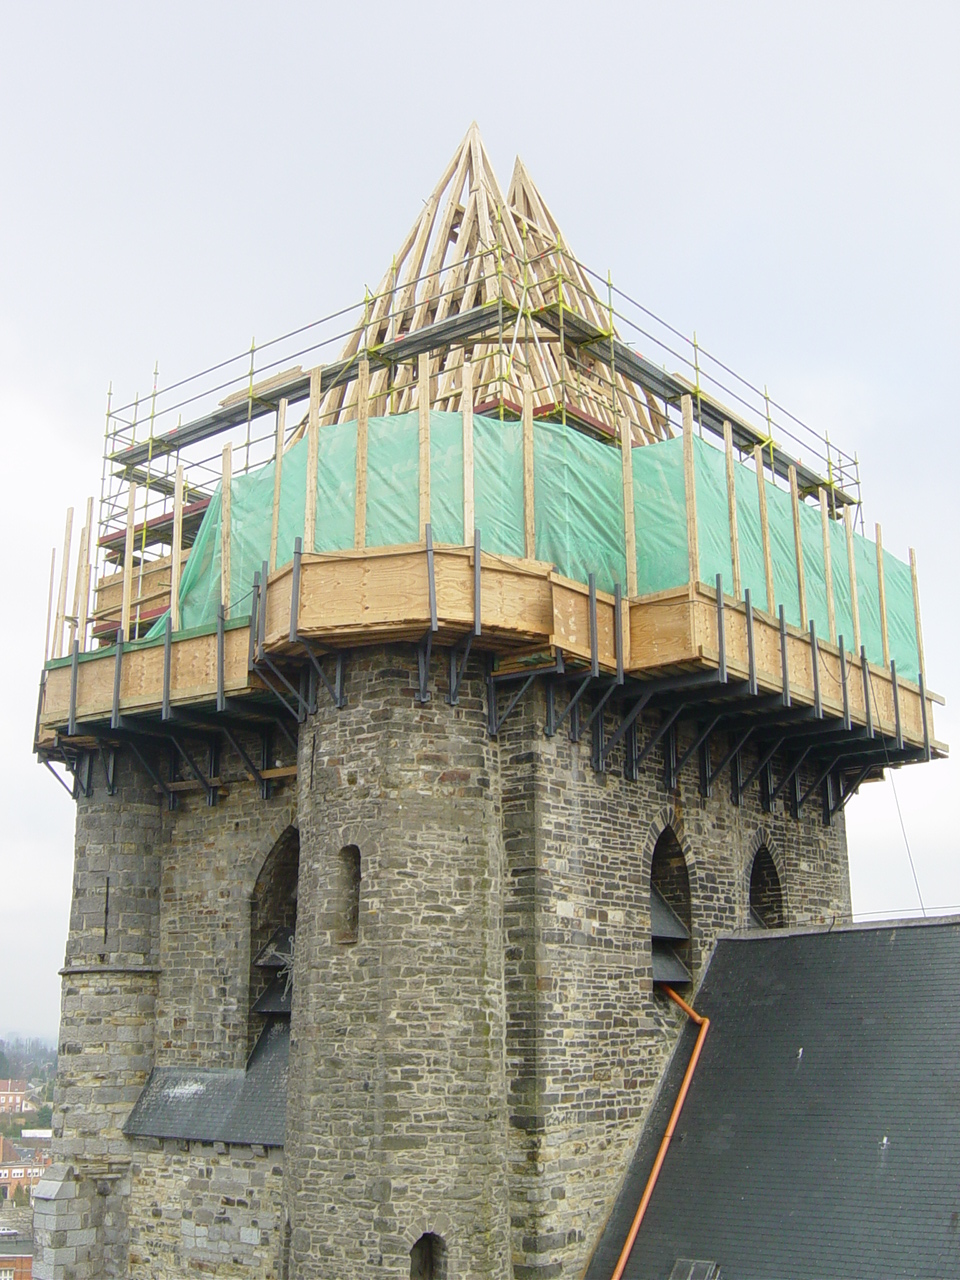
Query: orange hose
[{"x": 704, "y": 1025}]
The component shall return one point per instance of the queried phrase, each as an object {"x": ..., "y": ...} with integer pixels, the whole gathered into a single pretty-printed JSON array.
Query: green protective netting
[
  {"x": 901, "y": 619},
  {"x": 578, "y": 505},
  {"x": 336, "y": 490},
  {"x": 783, "y": 552},
  {"x": 498, "y": 485},
  {"x": 660, "y": 516},
  {"x": 713, "y": 522},
  {"x": 578, "y": 520},
  {"x": 753, "y": 577},
  {"x": 446, "y": 477}
]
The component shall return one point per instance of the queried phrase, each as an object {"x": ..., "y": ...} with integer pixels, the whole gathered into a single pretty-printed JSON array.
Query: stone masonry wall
[
  {"x": 205, "y": 1209},
  {"x": 477, "y": 1064},
  {"x": 587, "y": 1036},
  {"x": 210, "y": 867},
  {"x": 396, "y": 1122},
  {"x": 168, "y": 982},
  {"x": 106, "y": 1026}
]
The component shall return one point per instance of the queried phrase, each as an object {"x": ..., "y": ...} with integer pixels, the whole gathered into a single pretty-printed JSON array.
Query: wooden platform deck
[{"x": 529, "y": 617}]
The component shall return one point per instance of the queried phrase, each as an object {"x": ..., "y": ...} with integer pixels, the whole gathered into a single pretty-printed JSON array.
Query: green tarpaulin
[{"x": 578, "y": 520}]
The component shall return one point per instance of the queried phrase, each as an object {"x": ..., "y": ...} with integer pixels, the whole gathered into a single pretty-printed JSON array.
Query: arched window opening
[
  {"x": 427, "y": 1258},
  {"x": 670, "y": 911},
  {"x": 347, "y": 923},
  {"x": 273, "y": 923},
  {"x": 766, "y": 898}
]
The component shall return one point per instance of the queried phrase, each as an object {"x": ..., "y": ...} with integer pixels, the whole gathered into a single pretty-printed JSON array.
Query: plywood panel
[
  {"x": 661, "y": 633},
  {"x": 571, "y": 622}
]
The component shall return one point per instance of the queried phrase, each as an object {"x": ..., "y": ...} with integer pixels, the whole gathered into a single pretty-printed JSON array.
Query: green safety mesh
[
  {"x": 578, "y": 505},
  {"x": 660, "y": 516},
  {"x": 578, "y": 520}
]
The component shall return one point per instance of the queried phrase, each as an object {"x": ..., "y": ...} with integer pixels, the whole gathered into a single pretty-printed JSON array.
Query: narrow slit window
[
  {"x": 348, "y": 895},
  {"x": 766, "y": 898}
]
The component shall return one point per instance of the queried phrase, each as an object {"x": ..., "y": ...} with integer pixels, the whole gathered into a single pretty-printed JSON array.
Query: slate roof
[
  {"x": 220, "y": 1106},
  {"x": 820, "y": 1138}
]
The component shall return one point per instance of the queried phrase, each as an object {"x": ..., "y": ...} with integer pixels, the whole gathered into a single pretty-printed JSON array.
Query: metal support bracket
[
  {"x": 751, "y": 645},
  {"x": 425, "y": 647},
  {"x": 844, "y": 689},
  {"x": 761, "y": 765},
  {"x": 851, "y": 789},
  {"x": 154, "y": 774},
  {"x": 194, "y": 768},
  {"x": 66, "y": 785},
  {"x": 815, "y": 667},
  {"x": 74, "y": 673},
  {"x": 698, "y": 742},
  {"x": 923, "y": 716},
  {"x": 738, "y": 745},
  {"x": 865, "y": 672},
  {"x": 495, "y": 720},
  {"x": 167, "y": 639},
  {"x": 108, "y": 758},
  {"x": 117, "y": 672},
  {"x": 461, "y": 652},
  {"x": 221, "y": 644},
  {"x": 789, "y": 776},
  {"x": 250, "y": 767},
  {"x": 817, "y": 782},
  {"x": 896, "y": 704},
  {"x": 670, "y": 756}
]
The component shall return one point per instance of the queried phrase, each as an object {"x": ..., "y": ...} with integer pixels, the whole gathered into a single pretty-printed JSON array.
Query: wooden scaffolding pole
[
  {"x": 529, "y": 525},
  {"x": 125, "y": 599},
  {"x": 466, "y": 405},
  {"x": 82, "y": 610},
  {"x": 313, "y": 445},
  {"x": 732, "y": 510},
  {"x": 629, "y": 511},
  {"x": 62, "y": 593},
  {"x": 176, "y": 552},
  {"x": 852, "y": 572},
  {"x": 916, "y": 610},
  {"x": 798, "y": 546},
  {"x": 225, "y": 489},
  {"x": 363, "y": 420},
  {"x": 78, "y": 578},
  {"x": 423, "y": 407},
  {"x": 53, "y": 573},
  {"x": 277, "y": 482},
  {"x": 882, "y": 588},
  {"x": 765, "y": 530},
  {"x": 828, "y": 566},
  {"x": 690, "y": 493}
]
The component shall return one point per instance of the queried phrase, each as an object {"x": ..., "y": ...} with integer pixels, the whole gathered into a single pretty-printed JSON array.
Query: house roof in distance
[{"x": 821, "y": 1134}]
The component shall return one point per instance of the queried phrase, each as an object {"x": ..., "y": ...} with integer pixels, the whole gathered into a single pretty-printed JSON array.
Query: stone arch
[
  {"x": 669, "y": 817},
  {"x": 333, "y": 881},
  {"x": 764, "y": 846},
  {"x": 428, "y": 1257},
  {"x": 666, "y": 840},
  {"x": 251, "y": 872},
  {"x": 273, "y": 907},
  {"x": 440, "y": 1227}
]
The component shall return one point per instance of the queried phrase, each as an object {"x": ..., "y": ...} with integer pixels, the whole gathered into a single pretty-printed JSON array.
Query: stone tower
[{"x": 398, "y": 807}]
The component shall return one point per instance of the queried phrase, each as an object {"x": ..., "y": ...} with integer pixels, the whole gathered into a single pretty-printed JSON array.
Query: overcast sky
[{"x": 176, "y": 178}]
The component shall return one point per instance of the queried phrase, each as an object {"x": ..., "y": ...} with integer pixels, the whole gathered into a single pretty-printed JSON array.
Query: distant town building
[
  {"x": 13, "y": 1098},
  {"x": 19, "y": 1167},
  {"x": 16, "y": 1252}
]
